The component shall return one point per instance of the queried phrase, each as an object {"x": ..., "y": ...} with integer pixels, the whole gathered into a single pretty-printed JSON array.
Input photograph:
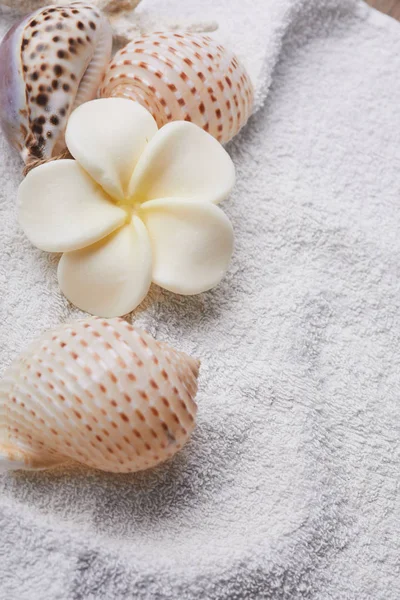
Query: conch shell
[
  {"x": 183, "y": 76},
  {"x": 100, "y": 392},
  {"x": 50, "y": 62}
]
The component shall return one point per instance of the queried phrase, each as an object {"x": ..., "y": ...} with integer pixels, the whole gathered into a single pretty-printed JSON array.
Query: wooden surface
[{"x": 390, "y": 7}]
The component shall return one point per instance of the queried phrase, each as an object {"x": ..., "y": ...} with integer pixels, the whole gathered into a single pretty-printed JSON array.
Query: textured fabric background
[{"x": 289, "y": 488}]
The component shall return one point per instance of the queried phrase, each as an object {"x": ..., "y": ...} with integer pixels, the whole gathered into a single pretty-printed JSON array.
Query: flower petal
[
  {"x": 192, "y": 243},
  {"x": 61, "y": 208},
  {"x": 183, "y": 161},
  {"x": 107, "y": 137},
  {"x": 112, "y": 277}
]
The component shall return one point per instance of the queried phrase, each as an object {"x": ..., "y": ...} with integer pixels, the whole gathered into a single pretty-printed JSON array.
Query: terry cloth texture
[{"x": 289, "y": 488}]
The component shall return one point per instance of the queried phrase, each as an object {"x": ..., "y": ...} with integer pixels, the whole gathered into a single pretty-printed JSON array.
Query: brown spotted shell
[
  {"x": 100, "y": 392},
  {"x": 50, "y": 62},
  {"x": 183, "y": 76}
]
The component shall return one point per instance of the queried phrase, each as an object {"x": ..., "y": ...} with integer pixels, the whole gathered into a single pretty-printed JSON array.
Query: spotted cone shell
[
  {"x": 100, "y": 392},
  {"x": 183, "y": 76},
  {"x": 50, "y": 62}
]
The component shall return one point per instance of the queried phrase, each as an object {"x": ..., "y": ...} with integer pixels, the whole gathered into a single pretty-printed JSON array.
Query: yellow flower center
[{"x": 131, "y": 210}]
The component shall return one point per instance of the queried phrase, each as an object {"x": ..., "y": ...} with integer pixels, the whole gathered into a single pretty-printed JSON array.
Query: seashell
[
  {"x": 100, "y": 392},
  {"x": 112, "y": 6},
  {"x": 50, "y": 62},
  {"x": 183, "y": 76}
]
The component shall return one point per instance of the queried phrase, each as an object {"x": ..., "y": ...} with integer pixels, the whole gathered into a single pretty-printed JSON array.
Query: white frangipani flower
[{"x": 137, "y": 205}]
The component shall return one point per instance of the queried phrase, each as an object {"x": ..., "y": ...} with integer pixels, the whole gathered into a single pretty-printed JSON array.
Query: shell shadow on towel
[{"x": 141, "y": 500}]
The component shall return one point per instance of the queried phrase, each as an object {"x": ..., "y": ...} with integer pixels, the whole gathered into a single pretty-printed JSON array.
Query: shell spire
[
  {"x": 100, "y": 392},
  {"x": 50, "y": 62}
]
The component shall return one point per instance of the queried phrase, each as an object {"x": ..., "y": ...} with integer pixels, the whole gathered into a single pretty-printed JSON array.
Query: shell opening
[
  {"x": 15, "y": 459},
  {"x": 88, "y": 85},
  {"x": 11, "y": 459},
  {"x": 8, "y": 462}
]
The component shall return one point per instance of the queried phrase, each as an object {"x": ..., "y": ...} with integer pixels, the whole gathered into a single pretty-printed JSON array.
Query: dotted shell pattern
[
  {"x": 183, "y": 76},
  {"x": 50, "y": 62},
  {"x": 100, "y": 392}
]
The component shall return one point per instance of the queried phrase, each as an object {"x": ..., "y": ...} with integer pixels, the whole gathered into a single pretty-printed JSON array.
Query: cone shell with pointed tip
[
  {"x": 183, "y": 76},
  {"x": 100, "y": 392},
  {"x": 50, "y": 62}
]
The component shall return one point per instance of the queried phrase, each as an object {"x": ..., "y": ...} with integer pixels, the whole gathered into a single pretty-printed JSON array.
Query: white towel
[{"x": 289, "y": 487}]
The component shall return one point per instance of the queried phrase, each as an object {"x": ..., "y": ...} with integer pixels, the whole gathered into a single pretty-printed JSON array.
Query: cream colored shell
[
  {"x": 183, "y": 76},
  {"x": 100, "y": 392}
]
